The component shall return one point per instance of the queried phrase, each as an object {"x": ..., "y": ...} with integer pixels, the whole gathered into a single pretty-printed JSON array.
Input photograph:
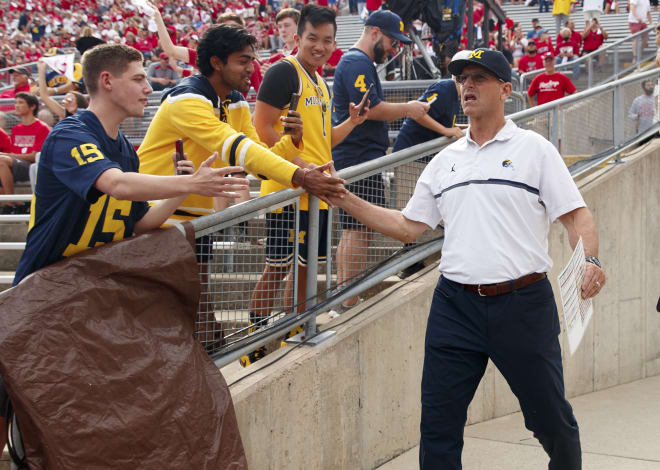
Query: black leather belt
[{"x": 506, "y": 287}]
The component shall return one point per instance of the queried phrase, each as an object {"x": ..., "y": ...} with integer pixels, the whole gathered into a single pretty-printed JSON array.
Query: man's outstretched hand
[
  {"x": 319, "y": 183},
  {"x": 218, "y": 182}
]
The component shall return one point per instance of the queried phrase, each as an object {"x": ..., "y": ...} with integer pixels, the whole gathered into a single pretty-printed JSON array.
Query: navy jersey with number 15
[{"x": 68, "y": 213}]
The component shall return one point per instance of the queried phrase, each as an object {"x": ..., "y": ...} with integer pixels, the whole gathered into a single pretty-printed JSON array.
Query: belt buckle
[{"x": 479, "y": 291}]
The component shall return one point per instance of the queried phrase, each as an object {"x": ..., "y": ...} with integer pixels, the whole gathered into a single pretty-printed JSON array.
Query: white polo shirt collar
[{"x": 505, "y": 133}]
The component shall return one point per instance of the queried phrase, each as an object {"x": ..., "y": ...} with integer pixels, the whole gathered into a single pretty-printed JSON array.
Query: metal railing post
[
  {"x": 312, "y": 262},
  {"x": 618, "y": 117},
  {"x": 328, "y": 258},
  {"x": 554, "y": 127},
  {"x": 616, "y": 62},
  {"x": 590, "y": 72},
  {"x": 639, "y": 52}
]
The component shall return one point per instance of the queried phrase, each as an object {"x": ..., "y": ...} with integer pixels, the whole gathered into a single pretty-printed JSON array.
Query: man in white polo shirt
[{"x": 497, "y": 189}]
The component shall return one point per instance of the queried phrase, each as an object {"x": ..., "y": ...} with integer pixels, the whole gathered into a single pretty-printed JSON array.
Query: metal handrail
[{"x": 587, "y": 58}]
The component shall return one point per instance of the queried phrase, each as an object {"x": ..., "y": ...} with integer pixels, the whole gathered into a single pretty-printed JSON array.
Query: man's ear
[
  {"x": 105, "y": 81},
  {"x": 507, "y": 89},
  {"x": 217, "y": 63}
]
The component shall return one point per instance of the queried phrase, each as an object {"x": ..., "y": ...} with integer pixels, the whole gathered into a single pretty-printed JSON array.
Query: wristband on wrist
[{"x": 302, "y": 181}]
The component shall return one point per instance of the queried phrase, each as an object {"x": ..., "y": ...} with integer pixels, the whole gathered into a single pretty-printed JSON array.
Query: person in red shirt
[
  {"x": 544, "y": 43},
  {"x": 131, "y": 27},
  {"x": 21, "y": 78},
  {"x": 567, "y": 50},
  {"x": 549, "y": 85},
  {"x": 373, "y": 5},
  {"x": 26, "y": 139},
  {"x": 593, "y": 37},
  {"x": 328, "y": 69},
  {"x": 287, "y": 25},
  {"x": 144, "y": 44},
  {"x": 531, "y": 60},
  {"x": 5, "y": 141},
  {"x": 575, "y": 36}
]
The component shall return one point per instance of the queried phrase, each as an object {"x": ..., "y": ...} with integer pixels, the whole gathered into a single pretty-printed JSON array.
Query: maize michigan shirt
[
  {"x": 68, "y": 213},
  {"x": 496, "y": 202},
  {"x": 193, "y": 112},
  {"x": 283, "y": 79}
]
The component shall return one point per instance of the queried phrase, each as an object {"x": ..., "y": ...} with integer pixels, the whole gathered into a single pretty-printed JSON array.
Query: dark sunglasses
[
  {"x": 478, "y": 78},
  {"x": 394, "y": 42}
]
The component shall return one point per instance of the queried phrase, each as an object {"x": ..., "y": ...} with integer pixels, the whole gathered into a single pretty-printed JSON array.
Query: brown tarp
[{"x": 98, "y": 357}]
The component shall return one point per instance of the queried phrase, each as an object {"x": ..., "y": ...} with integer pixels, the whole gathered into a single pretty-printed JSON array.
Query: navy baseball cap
[
  {"x": 493, "y": 61},
  {"x": 389, "y": 23}
]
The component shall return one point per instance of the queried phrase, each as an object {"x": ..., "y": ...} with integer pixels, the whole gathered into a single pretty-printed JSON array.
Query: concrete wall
[{"x": 353, "y": 401}]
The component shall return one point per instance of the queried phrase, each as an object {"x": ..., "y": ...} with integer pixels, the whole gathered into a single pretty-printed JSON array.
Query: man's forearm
[
  {"x": 388, "y": 111},
  {"x": 580, "y": 223},
  {"x": 430, "y": 123},
  {"x": 129, "y": 186},
  {"x": 28, "y": 157},
  {"x": 158, "y": 214},
  {"x": 340, "y": 132},
  {"x": 389, "y": 222}
]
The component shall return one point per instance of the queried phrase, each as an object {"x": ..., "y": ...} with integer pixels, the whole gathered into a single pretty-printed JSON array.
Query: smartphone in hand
[
  {"x": 365, "y": 97},
  {"x": 178, "y": 145},
  {"x": 293, "y": 106}
]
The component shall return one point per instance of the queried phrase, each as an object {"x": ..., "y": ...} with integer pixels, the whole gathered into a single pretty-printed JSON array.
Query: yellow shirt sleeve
[
  {"x": 284, "y": 147},
  {"x": 194, "y": 118}
]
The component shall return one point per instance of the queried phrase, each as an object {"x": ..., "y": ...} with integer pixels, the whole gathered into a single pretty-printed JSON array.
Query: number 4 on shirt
[{"x": 359, "y": 83}]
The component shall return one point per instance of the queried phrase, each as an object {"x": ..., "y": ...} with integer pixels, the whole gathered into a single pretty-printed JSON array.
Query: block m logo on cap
[
  {"x": 475, "y": 55},
  {"x": 401, "y": 26}
]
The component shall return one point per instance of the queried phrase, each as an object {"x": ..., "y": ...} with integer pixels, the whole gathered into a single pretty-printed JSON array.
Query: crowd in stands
[
  {"x": 167, "y": 35},
  {"x": 30, "y": 29}
]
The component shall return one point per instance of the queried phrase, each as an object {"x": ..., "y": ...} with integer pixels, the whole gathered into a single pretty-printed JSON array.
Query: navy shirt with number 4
[
  {"x": 354, "y": 73},
  {"x": 445, "y": 106},
  {"x": 68, "y": 213}
]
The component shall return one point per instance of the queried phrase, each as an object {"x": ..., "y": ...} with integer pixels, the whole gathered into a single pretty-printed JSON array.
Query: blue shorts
[{"x": 280, "y": 228}]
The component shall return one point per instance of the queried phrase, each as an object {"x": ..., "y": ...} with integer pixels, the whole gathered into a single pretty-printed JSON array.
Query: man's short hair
[
  {"x": 230, "y": 16},
  {"x": 221, "y": 41},
  {"x": 81, "y": 100},
  {"x": 113, "y": 58},
  {"x": 316, "y": 15},
  {"x": 288, "y": 13},
  {"x": 31, "y": 101}
]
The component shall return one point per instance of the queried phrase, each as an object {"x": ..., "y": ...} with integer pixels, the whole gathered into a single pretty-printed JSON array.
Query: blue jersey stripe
[{"x": 515, "y": 184}]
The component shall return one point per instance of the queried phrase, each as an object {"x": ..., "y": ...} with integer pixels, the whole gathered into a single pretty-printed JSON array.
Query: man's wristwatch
[{"x": 593, "y": 259}]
